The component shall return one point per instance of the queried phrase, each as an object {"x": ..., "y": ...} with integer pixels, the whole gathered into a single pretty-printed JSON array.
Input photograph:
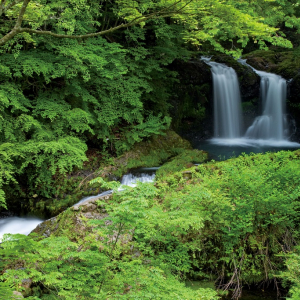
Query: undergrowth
[{"x": 234, "y": 222}]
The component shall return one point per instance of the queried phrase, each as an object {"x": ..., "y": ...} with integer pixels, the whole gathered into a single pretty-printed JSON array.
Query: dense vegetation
[
  {"x": 81, "y": 77},
  {"x": 212, "y": 223}
]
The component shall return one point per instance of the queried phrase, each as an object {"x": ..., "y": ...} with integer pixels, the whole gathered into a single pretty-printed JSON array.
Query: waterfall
[
  {"x": 272, "y": 124},
  {"x": 227, "y": 101}
]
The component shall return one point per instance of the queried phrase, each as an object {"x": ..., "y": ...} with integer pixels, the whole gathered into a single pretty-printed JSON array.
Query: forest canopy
[{"x": 206, "y": 20}]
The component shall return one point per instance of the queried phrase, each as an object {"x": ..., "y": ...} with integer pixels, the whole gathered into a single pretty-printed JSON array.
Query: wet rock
[
  {"x": 17, "y": 295},
  {"x": 73, "y": 222}
]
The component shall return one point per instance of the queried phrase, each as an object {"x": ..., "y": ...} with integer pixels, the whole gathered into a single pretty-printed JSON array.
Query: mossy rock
[
  {"x": 150, "y": 153},
  {"x": 185, "y": 160},
  {"x": 73, "y": 222},
  {"x": 286, "y": 63}
]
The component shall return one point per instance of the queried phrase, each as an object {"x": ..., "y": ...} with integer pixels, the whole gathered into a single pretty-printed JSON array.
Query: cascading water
[
  {"x": 131, "y": 179},
  {"x": 227, "y": 101},
  {"x": 25, "y": 225},
  {"x": 272, "y": 124},
  {"x": 269, "y": 132},
  {"x": 128, "y": 180},
  {"x": 15, "y": 225}
]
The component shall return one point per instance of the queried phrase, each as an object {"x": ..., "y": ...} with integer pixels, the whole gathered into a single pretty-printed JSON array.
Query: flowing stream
[
  {"x": 24, "y": 225},
  {"x": 129, "y": 179}
]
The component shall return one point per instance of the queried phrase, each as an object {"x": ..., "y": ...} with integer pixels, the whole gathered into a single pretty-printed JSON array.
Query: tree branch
[
  {"x": 21, "y": 14},
  {"x": 165, "y": 12},
  {"x": 17, "y": 26},
  {"x": 2, "y": 4}
]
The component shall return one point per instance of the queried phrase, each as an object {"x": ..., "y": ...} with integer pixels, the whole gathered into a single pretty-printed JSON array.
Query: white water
[
  {"x": 227, "y": 101},
  {"x": 246, "y": 142},
  {"x": 128, "y": 180},
  {"x": 268, "y": 130},
  {"x": 25, "y": 225},
  {"x": 131, "y": 179},
  {"x": 15, "y": 225}
]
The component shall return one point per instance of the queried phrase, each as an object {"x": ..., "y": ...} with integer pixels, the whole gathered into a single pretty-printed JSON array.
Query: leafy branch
[
  {"x": 4, "y": 9},
  {"x": 162, "y": 13}
]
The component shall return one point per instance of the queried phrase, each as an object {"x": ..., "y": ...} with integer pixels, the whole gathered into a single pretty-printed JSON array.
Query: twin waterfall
[{"x": 271, "y": 125}]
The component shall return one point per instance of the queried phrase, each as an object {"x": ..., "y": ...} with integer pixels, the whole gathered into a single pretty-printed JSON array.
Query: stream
[{"x": 24, "y": 225}]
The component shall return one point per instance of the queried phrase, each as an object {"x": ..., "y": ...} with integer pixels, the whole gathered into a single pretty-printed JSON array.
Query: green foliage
[
  {"x": 61, "y": 269},
  {"x": 228, "y": 216},
  {"x": 182, "y": 161},
  {"x": 66, "y": 94},
  {"x": 152, "y": 126},
  {"x": 237, "y": 215},
  {"x": 107, "y": 92},
  {"x": 291, "y": 276}
]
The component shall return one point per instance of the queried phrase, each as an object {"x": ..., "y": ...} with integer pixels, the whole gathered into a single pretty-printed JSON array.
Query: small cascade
[
  {"x": 272, "y": 124},
  {"x": 128, "y": 180},
  {"x": 93, "y": 197},
  {"x": 131, "y": 179},
  {"x": 227, "y": 101},
  {"x": 15, "y": 225},
  {"x": 25, "y": 225}
]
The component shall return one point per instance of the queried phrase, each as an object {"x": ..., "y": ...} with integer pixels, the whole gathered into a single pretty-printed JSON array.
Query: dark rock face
[
  {"x": 192, "y": 94},
  {"x": 294, "y": 98},
  {"x": 284, "y": 63},
  {"x": 295, "y": 90}
]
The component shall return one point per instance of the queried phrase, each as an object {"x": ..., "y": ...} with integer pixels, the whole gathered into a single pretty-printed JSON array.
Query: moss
[
  {"x": 285, "y": 63},
  {"x": 250, "y": 105},
  {"x": 70, "y": 223},
  {"x": 182, "y": 161},
  {"x": 149, "y": 153}
]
